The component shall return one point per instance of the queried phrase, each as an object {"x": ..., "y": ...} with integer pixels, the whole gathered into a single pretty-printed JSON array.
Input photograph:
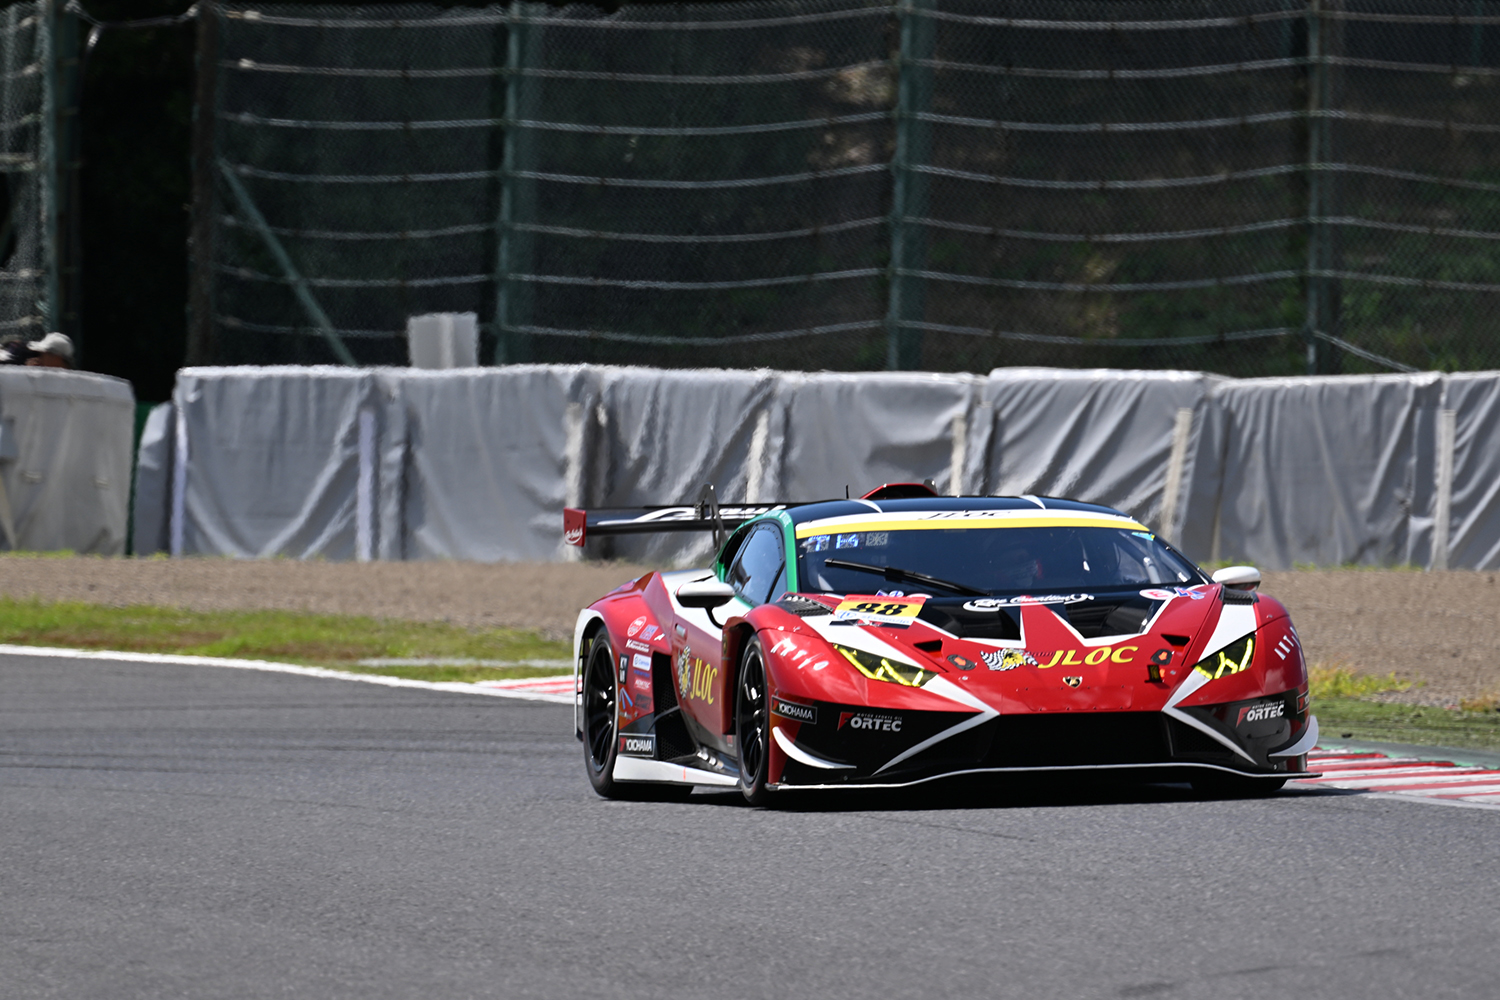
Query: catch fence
[
  {"x": 38, "y": 223},
  {"x": 1251, "y": 187}
]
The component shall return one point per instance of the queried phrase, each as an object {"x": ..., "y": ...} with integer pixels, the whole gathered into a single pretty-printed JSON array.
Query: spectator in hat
[{"x": 53, "y": 351}]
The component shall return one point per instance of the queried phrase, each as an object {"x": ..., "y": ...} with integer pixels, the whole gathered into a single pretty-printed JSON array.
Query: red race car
[{"x": 904, "y": 637}]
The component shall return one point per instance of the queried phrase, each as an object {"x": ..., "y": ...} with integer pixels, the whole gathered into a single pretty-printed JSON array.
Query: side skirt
[{"x": 661, "y": 772}]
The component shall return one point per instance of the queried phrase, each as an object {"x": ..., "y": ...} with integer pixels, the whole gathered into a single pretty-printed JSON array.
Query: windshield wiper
[{"x": 896, "y": 574}]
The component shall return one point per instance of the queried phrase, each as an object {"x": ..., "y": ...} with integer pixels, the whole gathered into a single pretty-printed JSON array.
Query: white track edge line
[{"x": 120, "y": 656}]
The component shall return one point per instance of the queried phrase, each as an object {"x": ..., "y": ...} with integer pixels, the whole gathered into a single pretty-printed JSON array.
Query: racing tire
[
  {"x": 600, "y": 748},
  {"x": 1228, "y": 786},
  {"x": 752, "y": 724}
]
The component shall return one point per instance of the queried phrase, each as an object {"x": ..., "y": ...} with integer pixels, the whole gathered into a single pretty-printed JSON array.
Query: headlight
[
  {"x": 1229, "y": 660},
  {"x": 880, "y": 668}
]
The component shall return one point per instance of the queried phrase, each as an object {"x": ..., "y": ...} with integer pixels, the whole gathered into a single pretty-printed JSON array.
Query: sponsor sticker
[
  {"x": 640, "y": 662},
  {"x": 641, "y": 683},
  {"x": 870, "y": 722},
  {"x": 817, "y": 543},
  {"x": 574, "y": 535},
  {"x": 1072, "y": 682},
  {"x": 886, "y": 610},
  {"x": 996, "y": 603},
  {"x": 1261, "y": 711},
  {"x": 633, "y": 644},
  {"x": 1007, "y": 659},
  {"x": 638, "y": 744},
  {"x": 795, "y": 712},
  {"x": 636, "y": 626},
  {"x": 695, "y": 677},
  {"x": 649, "y": 632},
  {"x": 849, "y": 541},
  {"x": 1091, "y": 657},
  {"x": 1196, "y": 595},
  {"x": 1158, "y": 595},
  {"x": 877, "y": 539}
]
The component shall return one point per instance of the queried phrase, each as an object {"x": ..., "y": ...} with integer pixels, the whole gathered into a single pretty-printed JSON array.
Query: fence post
[
  {"x": 200, "y": 338},
  {"x": 1323, "y": 290},
  {"x": 47, "y": 175},
  {"x": 907, "y": 293},
  {"x": 517, "y": 194}
]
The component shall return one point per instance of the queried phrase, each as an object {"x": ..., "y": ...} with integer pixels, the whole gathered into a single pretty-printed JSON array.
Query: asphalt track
[{"x": 178, "y": 831}]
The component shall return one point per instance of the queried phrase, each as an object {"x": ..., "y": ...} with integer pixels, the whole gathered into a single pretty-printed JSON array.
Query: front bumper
[{"x": 831, "y": 745}]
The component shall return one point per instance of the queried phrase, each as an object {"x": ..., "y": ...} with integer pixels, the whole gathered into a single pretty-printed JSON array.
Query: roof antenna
[{"x": 846, "y": 491}]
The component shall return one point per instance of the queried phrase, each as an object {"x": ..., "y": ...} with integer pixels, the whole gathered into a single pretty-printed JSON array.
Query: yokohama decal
[{"x": 795, "y": 712}]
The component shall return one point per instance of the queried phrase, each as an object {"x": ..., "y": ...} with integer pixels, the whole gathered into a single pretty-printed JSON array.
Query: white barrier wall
[
  {"x": 478, "y": 463},
  {"x": 65, "y": 441}
]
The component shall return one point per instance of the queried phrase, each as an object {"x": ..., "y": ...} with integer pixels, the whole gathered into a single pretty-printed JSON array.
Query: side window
[{"x": 761, "y": 565}]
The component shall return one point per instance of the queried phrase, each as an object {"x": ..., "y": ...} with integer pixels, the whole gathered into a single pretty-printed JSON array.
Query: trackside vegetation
[
  {"x": 1346, "y": 709},
  {"x": 337, "y": 642}
]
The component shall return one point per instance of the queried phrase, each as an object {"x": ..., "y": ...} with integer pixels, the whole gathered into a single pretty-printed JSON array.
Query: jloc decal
[
  {"x": 1092, "y": 657},
  {"x": 638, "y": 744},
  {"x": 795, "y": 712},
  {"x": 870, "y": 722}
]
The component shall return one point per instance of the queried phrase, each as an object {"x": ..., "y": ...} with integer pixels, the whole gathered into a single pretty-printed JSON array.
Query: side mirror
[
  {"x": 1238, "y": 577},
  {"x": 704, "y": 594}
]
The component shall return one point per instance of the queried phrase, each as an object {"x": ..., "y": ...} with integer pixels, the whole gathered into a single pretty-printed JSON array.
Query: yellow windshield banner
[{"x": 964, "y": 519}]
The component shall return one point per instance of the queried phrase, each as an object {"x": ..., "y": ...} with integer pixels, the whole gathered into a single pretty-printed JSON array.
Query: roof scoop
[{"x": 1238, "y": 577}]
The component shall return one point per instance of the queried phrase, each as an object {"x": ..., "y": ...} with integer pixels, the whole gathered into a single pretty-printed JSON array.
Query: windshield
[{"x": 986, "y": 559}]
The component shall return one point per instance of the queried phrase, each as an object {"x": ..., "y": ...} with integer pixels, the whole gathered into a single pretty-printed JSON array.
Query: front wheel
[{"x": 752, "y": 724}]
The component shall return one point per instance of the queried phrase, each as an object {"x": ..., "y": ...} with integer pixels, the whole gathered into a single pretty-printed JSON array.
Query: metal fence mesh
[
  {"x": 1246, "y": 186},
  {"x": 24, "y": 260}
]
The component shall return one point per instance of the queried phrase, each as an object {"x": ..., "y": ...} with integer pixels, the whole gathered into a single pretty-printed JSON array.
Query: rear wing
[{"x": 705, "y": 515}]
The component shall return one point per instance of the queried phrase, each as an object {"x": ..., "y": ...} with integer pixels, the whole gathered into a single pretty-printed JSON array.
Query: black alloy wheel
[
  {"x": 752, "y": 724},
  {"x": 599, "y": 714},
  {"x": 600, "y": 746}
]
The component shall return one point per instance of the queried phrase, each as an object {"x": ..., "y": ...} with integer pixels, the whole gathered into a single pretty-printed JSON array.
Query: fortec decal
[
  {"x": 641, "y": 745},
  {"x": 1008, "y": 659},
  {"x": 869, "y": 722},
  {"x": 795, "y": 712},
  {"x": 636, "y": 626},
  {"x": 1092, "y": 657},
  {"x": 996, "y": 603},
  {"x": 1261, "y": 711}
]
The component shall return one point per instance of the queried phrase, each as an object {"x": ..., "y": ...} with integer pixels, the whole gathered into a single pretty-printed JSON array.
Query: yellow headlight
[
  {"x": 1229, "y": 660},
  {"x": 880, "y": 668}
]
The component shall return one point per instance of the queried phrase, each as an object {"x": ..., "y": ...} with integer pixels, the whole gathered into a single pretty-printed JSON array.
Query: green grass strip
[
  {"x": 334, "y": 641},
  {"x": 1356, "y": 719}
]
